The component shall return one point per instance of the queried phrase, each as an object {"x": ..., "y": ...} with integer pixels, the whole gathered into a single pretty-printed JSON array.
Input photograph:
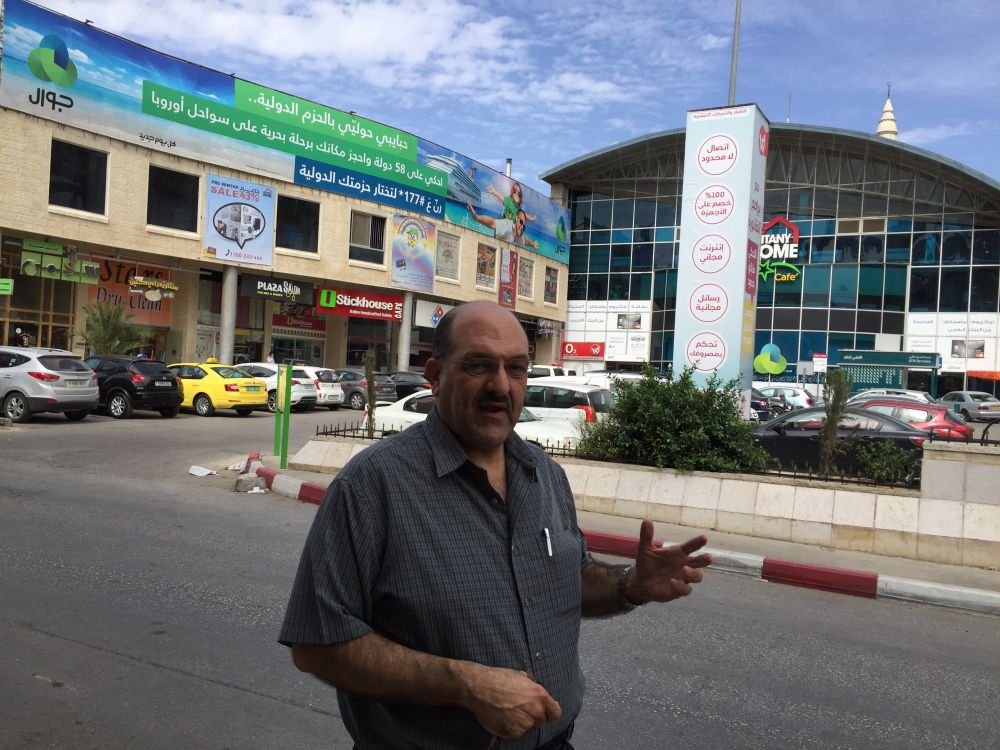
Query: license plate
[
  {"x": 74, "y": 383},
  {"x": 253, "y": 388},
  {"x": 163, "y": 383},
  {"x": 994, "y": 408}
]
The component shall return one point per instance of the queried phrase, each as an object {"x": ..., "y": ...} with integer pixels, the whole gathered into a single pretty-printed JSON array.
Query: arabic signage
[
  {"x": 239, "y": 221},
  {"x": 872, "y": 376},
  {"x": 6, "y": 287},
  {"x": 282, "y": 290},
  {"x": 105, "y": 84},
  {"x": 50, "y": 260},
  {"x": 583, "y": 350},
  {"x": 412, "y": 253},
  {"x": 779, "y": 244},
  {"x": 720, "y": 248},
  {"x": 621, "y": 326},
  {"x": 890, "y": 359},
  {"x": 143, "y": 290},
  {"x": 507, "y": 293},
  {"x": 355, "y": 303}
]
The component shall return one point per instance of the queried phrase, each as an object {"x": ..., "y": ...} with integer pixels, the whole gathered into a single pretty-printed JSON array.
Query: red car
[{"x": 934, "y": 418}]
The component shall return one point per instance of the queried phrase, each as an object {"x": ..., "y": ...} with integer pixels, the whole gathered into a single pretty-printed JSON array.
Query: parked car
[
  {"x": 395, "y": 417},
  {"x": 548, "y": 371},
  {"x": 128, "y": 383},
  {"x": 408, "y": 382},
  {"x": 355, "y": 386},
  {"x": 328, "y": 390},
  {"x": 760, "y": 406},
  {"x": 208, "y": 386},
  {"x": 972, "y": 404},
  {"x": 933, "y": 418},
  {"x": 560, "y": 398},
  {"x": 304, "y": 392},
  {"x": 895, "y": 393},
  {"x": 793, "y": 439},
  {"x": 795, "y": 396},
  {"x": 606, "y": 378},
  {"x": 38, "y": 379}
]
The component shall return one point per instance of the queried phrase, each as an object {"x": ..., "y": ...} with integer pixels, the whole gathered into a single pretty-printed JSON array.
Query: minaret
[{"x": 887, "y": 125}]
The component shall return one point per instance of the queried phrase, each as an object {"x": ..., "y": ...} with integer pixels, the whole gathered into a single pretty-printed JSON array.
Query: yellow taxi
[{"x": 209, "y": 386}]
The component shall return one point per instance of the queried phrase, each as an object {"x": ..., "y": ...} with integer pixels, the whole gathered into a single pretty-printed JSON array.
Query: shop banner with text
[
  {"x": 507, "y": 295},
  {"x": 355, "y": 303},
  {"x": 239, "y": 221},
  {"x": 413, "y": 245},
  {"x": 74, "y": 73},
  {"x": 718, "y": 255}
]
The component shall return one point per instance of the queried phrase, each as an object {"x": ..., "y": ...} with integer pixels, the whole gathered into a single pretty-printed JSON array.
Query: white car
[
  {"x": 304, "y": 391},
  {"x": 796, "y": 397},
  {"x": 329, "y": 393},
  {"x": 398, "y": 415},
  {"x": 567, "y": 399},
  {"x": 870, "y": 393}
]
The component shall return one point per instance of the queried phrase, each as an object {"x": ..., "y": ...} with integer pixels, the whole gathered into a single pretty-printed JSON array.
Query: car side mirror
[{"x": 780, "y": 428}]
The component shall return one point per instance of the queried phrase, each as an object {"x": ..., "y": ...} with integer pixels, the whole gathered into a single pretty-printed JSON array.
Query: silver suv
[{"x": 35, "y": 379}]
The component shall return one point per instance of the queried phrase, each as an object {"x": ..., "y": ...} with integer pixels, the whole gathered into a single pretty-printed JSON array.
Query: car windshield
[
  {"x": 231, "y": 373},
  {"x": 149, "y": 367},
  {"x": 63, "y": 363},
  {"x": 527, "y": 416},
  {"x": 326, "y": 376},
  {"x": 602, "y": 401}
]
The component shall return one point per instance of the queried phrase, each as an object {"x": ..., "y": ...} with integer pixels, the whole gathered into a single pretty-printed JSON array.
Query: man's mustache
[{"x": 494, "y": 398}]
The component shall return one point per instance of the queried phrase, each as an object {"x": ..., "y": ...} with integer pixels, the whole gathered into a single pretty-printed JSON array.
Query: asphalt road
[{"x": 140, "y": 607}]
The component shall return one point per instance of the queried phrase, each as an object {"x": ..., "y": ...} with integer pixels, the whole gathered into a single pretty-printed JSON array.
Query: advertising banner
[
  {"x": 355, "y": 303},
  {"x": 428, "y": 314},
  {"x": 144, "y": 290},
  {"x": 486, "y": 267},
  {"x": 282, "y": 290},
  {"x": 447, "y": 256},
  {"x": 239, "y": 221},
  {"x": 583, "y": 350},
  {"x": 719, "y": 251},
  {"x": 551, "y": 285},
  {"x": 412, "y": 253},
  {"x": 526, "y": 278},
  {"x": 507, "y": 296},
  {"x": 73, "y": 73}
]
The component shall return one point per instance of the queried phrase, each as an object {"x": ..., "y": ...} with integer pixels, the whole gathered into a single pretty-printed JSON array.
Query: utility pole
[{"x": 736, "y": 54}]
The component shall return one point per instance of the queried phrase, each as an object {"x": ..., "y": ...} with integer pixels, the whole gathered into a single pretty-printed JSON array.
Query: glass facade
[{"x": 882, "y": 233}]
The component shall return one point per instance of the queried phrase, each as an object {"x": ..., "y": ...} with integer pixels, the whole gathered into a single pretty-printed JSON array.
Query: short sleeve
[
  {"x": 569, "y": 504},
  {"x": 331, "y": 600}
]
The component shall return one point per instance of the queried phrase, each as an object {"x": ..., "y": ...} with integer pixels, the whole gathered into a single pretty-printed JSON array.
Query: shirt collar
[{"x": 449, "y": 455}]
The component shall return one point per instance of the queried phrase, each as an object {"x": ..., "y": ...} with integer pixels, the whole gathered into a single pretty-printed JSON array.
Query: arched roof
[{"x": 578, "y": 172}]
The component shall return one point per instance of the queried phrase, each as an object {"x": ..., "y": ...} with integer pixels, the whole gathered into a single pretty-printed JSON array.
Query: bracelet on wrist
[{"x": 627, "y": 604}]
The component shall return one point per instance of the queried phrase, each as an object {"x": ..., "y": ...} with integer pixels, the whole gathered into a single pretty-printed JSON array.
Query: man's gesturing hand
[
  {"x": 509, "y": 703},
  {"x": 662, "y": 574}
]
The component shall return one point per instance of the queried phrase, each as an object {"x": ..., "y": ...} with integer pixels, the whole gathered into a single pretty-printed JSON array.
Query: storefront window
[
  {"x": 622, "y": 213},
  {"x": 599, "y": 258},
  {"x": 642, "y": 286},
  {"x": 954, "y": 290},
  {"x": 172, "y": 199},
  {"x": 984, "y": 289},
  {"x": 957, "y": 248},
  {"x": 844, "y": 287},
  {"x": 820, "y": 249},
  {"x": 600, "y": 215},
  {"x": 923, "y": 289},
  {"x": 986, "y": 247},
  {"x": 621, "y": 257},
  {"x": 788, "y": 293},
  {"x": 297, "y": 225},
  {"x": 895, "y": 288},
  {"x": 597, "y": 286},
  {"x": 870, "y": 288},
  {"x": 816, "y": 286}
]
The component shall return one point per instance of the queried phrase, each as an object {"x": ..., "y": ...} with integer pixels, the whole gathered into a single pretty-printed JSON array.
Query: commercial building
[
  {"x": 230, "y": 219},
  {"x": 868, "y": 244}
]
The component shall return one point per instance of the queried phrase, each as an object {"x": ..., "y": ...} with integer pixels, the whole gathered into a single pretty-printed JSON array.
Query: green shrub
[
  {"x": 675, "y": 424},
  {"x": 883, "y": 462}
]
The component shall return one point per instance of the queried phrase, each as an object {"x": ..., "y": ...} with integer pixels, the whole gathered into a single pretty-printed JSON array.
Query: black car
[
  {"x": 355, "y": 387},
  {"x": 759, "y": 405},
  {"x": 793, "y": 439},
  {"x": 128, "y": 383},
  {"x": 408, "y": 382}
]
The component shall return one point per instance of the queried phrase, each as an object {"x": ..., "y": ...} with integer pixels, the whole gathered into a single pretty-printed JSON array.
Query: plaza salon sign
[
  {"x": 779, "y": 245},
  {"x": 282, "y": 290}
]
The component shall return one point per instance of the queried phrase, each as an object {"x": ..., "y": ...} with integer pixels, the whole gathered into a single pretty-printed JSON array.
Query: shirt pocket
[{"x": 560, "y": 571}]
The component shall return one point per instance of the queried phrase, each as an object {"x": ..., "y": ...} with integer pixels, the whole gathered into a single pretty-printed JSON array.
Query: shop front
[
  {"x": 296, "y": 333},
  {"x": 370, "y": 318}
]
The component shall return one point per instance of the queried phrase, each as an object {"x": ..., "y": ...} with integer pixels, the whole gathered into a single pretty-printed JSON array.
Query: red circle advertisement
[
  {"x": 714, "y": 204},
  {"x": 717, "y": 155},
  {"x": 706, "y": 351},
  {"x": 711, "y": 253},
  {"x": 709, "y": 302},
  {"x": 762, "y": 138}
]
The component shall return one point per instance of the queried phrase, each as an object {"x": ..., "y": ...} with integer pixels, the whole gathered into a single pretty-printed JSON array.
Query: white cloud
[
  {"x": 924, "y": 136},
  {"x": 711, "y": 41}
]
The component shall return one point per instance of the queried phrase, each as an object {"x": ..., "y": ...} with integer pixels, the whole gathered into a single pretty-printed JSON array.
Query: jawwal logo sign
[
  {"x": 769, "y": 361},
  {"x": 50, "y": 62},
  {"x": 777, "y": 248}
]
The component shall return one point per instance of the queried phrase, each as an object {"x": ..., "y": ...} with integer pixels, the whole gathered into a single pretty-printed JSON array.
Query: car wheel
[
  {"x": 243, "y": 411},
  {"x": 15, "y": 408},
  {"x": 76, "y": 416},
  {"x": 170, "y": 411},
  {"x": 203, "y": 405},
  {"x": 120, "y": 405},
  {"x": 272, "y": 398},
  {"x": 966, "y": 416},
  {"x": 357, "y": 401}
]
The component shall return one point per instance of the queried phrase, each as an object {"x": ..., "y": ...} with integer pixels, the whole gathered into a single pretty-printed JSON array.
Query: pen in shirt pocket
[{"x": 548, "y": 541}]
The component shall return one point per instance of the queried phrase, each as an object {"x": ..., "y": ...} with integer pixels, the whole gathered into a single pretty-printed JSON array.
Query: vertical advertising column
[{"x": 721, "y": 215}]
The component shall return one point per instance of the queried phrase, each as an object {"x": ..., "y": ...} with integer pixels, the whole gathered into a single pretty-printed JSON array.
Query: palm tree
[{"x": 109, "y": 329}]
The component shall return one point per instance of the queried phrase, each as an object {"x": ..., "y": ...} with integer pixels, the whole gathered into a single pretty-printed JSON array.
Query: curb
[{"x": 836, "y": 580}]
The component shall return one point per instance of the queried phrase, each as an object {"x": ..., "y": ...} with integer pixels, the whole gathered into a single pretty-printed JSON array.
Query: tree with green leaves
[
  {"x": 675, "y": 424},
  {"x": 109, "y": 329},
  {"x": 836, "y": 391}
]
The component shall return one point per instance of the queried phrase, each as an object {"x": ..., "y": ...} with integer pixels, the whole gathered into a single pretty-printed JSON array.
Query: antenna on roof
[
  {"x": 788, "y": 116},
  {"x": 888, "y": 90}
]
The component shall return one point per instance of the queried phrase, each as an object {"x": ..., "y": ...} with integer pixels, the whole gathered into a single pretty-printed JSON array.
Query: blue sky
[{"x": 546, "y": 82}]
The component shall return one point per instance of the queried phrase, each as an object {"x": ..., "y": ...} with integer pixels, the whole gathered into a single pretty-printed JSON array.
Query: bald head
[{"x": 443, "y": 343}]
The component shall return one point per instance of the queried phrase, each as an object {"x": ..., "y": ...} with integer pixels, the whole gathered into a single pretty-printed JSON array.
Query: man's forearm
[
  {"x": 378, "y": 668},
  {"x": 599, "y": 589}
]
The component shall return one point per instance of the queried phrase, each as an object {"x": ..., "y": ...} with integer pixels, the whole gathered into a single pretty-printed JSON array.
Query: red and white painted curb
[{"x": 837, "y": 580}]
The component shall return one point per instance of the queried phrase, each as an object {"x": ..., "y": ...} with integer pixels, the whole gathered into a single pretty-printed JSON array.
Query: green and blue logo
[
  {"x": 769, "y": 361},
  {"x": 50, "y": 62}
]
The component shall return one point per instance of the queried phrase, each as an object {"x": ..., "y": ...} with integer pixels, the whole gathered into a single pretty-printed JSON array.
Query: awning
[{"x": 984, "y": 374}]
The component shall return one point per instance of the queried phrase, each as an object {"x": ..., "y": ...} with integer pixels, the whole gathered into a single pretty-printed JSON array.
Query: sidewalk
[{"x": 843, "y": 571}]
